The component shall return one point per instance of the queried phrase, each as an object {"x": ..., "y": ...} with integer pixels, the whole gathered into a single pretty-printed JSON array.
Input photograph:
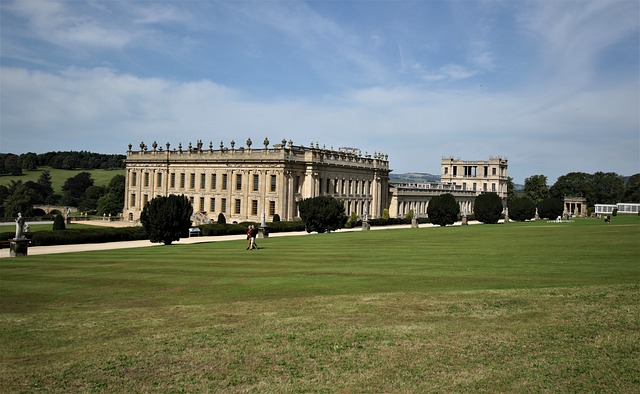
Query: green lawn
[
  {"x": 59, "y": 177},
  {"x": 519, "y": 307}
]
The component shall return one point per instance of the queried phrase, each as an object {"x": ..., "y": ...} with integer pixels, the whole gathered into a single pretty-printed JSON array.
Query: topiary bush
[
  {"x": 88, "y": 235},
  {"x": 443, "y": 209},
  {"x": 550, "y": 208},
  {"x": 58, "y": 223},
  {"x": 521, "y": 209},
  {"x": 221, "y": 218},
  {"x": 276, "y": 218},
  {"x": 322, "y": 214},
  {"x": 488, "y": 208},
  {"x": 166, "y": 219}
]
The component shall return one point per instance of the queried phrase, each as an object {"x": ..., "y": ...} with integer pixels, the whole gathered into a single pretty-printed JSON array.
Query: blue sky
[{"x": 554, "y": 86}]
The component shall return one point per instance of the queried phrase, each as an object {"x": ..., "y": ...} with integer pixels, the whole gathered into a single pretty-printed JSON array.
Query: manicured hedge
[{"x": 88, "y": 235}]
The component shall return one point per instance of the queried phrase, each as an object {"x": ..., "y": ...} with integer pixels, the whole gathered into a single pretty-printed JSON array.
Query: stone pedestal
[
  {"x": 414, "y": 223},
  {"x": 506, "y": 218},
  {"x": 263, "y": 232},
  {"x": 18, "y": 247},
  {"x": 366, "y": 226},
  {"x": 465, "y": 221}
]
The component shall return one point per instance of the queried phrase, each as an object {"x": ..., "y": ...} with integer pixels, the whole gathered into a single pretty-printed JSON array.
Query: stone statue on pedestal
[{"x": 19, "y": 226}]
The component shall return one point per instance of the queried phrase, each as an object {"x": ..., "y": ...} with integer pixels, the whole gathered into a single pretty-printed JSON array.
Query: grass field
[
  {"x": 519, "y": 307},
  {"x": 59, "y": 177}
]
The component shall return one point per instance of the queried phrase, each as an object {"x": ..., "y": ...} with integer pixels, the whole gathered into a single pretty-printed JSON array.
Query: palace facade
[{"x": 244, "y": 182}]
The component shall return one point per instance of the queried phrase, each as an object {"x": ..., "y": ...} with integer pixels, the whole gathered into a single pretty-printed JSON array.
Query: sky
[{"x": 553, "y": 86}]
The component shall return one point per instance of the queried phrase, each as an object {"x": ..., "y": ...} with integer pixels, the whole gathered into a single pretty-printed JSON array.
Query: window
[
  {"x": 214, "y": 178},
  {"x": 225, "y": 178},
  {"x": 474, "y": 186},
  {"x": 192, "y": 181},
  {"x": 296, "y": 184},
  {"x": 446, "y": 170},
  {"x": 134, "y": 178},
  {"x": 239, "y": 182},
  {"x": 223, "y": 205},
  {"x": 203, "y": 180},
  {"x": 254, "y": 207},
  {"x": 146, "y": 179},
  {"x": 182, "y": 180},
  {"x": 493, "y": 171},
  {"x": 493, "y": 187},
  {"x": 159, "y": 181},
  {"x": 173, "y": 180},
  {"x": 328, "y": 186},
  {"x": 484, "y": 187},
  {"x": 133, "y": 200},
  {"x": 272, "y": 208},
  {"x": 191, "y": 201},
  {"x": 145, "y": 199},
  {"x": 237, "y": 207},
  {"x": 212, "y": 205},
  {"x": 273, "y": 183},
  {"x": 256, "y": 182}
]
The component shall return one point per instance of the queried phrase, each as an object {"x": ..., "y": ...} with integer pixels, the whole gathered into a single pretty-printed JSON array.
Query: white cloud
[{"x": 103, "y": 110}]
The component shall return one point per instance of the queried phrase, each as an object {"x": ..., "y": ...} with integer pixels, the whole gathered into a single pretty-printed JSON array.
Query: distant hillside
[{"x": 417, "y": 177}]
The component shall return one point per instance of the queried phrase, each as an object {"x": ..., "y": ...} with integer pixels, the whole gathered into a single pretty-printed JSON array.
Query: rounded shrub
[
  {"x": 488, "y": 208},
  {"x": 521, "y": 209}
]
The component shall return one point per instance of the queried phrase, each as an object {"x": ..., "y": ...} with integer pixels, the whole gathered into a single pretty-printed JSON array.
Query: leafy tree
[
  {"x": 28, "y": 161},
  {"x": 109, "y": 204},
  {"x": 550, "y": 208},
  {"x": 75, "y": 187},
  {"x": 165, "y": 219},
  {"x": 576, "y": 184},
  {"x": 221, "y": 218},
  {"x": 488, "y": 208},
  {"x": 117, "y": 187},
  {"x": 4, "y": 193},
  {"x": 58, "y": 223},
  {"x": 11, "y": 165},
  {"x": 21, "y": 200},
  {"x": 608, "y": 188},
  {"x": 443, "y": 209},
  {"x": 323, "y": 213},
  {"x": 521, "y": 209},
  {"x": 632, "y": 189},
  {"x": 535, "y": 187},
  {"x": 353, "y": 219},
  {"x": 385, "y": 214}
]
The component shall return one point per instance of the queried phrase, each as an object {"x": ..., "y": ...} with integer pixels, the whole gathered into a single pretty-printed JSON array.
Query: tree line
[
  {"x": 12, "y": 164},
  {"x": 78, "y": 191},
  {"x": 597, "y": 188}
]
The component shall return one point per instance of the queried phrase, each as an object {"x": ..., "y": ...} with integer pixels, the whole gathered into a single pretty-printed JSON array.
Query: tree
[
  {"x": 488, "y": 207},
  {"x": 535, "y": 187},
  {"x": 608, "y": 188},
  {"x": 46, "y": 187},
  {"x": 385, "y": 214},
  {"x": 276, "y": 218},
  {"x": 28, "y": 161},
  {"x": 20, "y": 200},
  {"x": 75, "y": 187},
  {"x": 443, "y": 209},
  {"x": 109, "y": 204},
  {"x": 511, "y": 188},
  {"x": 322, "y": 214},
  {"x": 576, "y": 184},
  {"x": 521, "y": 209},
  {"x": 632, "y": 189},
  {"x": 550, "y": 208},
  {"x": 166, "y": 219}
]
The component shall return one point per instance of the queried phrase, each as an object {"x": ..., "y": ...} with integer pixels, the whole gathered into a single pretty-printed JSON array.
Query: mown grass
[
  {"x": 519, "y": 307},
  {"x": 60, "y": 176}
]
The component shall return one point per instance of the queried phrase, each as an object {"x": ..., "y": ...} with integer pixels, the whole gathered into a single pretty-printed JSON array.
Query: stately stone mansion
[{"x": 244, "y": 182}]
